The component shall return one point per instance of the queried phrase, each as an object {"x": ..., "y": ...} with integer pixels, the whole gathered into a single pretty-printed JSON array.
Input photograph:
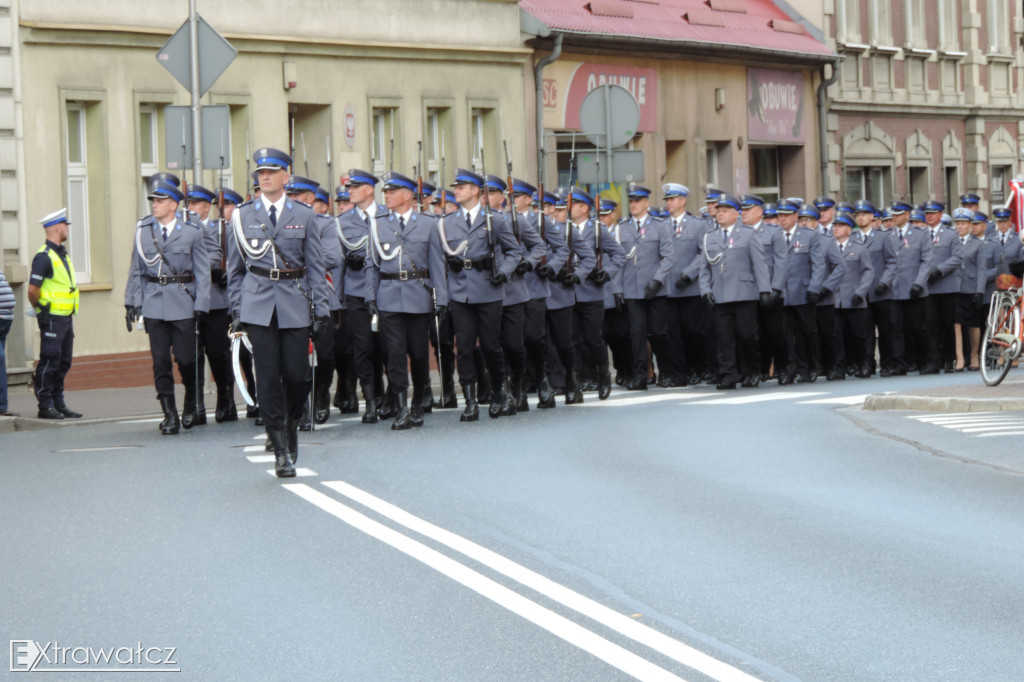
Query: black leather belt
[
  {"x": 275, "y": 274},
  {"x": 484, "y": 263},
  {"x": 406, "y": 274},
  {"x": 171, "y": 279}
]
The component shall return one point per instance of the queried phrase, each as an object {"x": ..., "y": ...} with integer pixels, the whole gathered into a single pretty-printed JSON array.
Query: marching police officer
[
  {"x": 805, "y": 276},
  {"x": 913, "y": 263},
  {"x": 53, "y": 294},
  {"x": 686, "y": 319},
  {"x": 882, "y": 252},
  {"x": 824, "y": 315},
  {"x": 1009, "y": 241},
  {"x": 278, "y": 290},
  {"x": 229, "y": 200},
  {"x": 770, "y": 319},
  {"x": 406, "y": 286},
  {"x": 851, "y": 301},
  {"x": 169, "y": 286},
  {"x": 345, "y": 398},
  {"x": 827, "y": 211},
  {"x": 943, "y": 289},
  {"x": 616, "y": 319}
]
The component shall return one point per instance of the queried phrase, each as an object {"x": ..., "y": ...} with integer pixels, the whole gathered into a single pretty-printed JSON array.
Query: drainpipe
[
  {"x": 538, "y": 79},
  {"x": 823, "y": 123}
]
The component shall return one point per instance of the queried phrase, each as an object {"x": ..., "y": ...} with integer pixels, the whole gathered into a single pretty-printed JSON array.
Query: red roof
[{"x": 757, "y": 24}]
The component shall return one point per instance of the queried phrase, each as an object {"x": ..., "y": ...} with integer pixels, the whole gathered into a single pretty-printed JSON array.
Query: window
[
  {"x": 382, "y": 136},
  {"x": 999, "y": 21},
  {"x": 952, "y": 184},
  {"x": 437, "y": 143},
  {"x": 78, "y": 190},
  {"x": 915, "y": 23},
  {"x": 764, "y": 172},
  {"x": 719, "y": 165},
  {"x": 949, "y": 72},
  {"x": 880, "y": 21},
  {"x": 916, "y": 74},
  {"x": 868, "y": 182},
  {"x": 848, "y": 21},
  {"x": 148, "y": 140},
  {"x": 881, "y": 66},
  {"x": 482, "y": 139},
  {"x": 850, "y": 71},
  {"x": 1000, "y": 182},
  {"x": 949, "y": 25},
  {"x": 917, "y": 182}
]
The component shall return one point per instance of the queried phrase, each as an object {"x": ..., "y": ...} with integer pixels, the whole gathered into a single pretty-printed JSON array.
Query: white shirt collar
[
  {"x": 170, "y": 225},
  {"x": 267, "y": 203},
  {"x": 407, "y": 216},
  {"x": 473, "y": 213}
]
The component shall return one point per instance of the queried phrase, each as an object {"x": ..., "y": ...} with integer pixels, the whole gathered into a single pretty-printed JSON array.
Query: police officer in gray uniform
[
  {"x": 686, "y": 311},
  {"x": 1009, "y": 241},
  {"x": 805, "y": 275},
  {"x": 825, "y": 313},
  {"x": 943, "y": 290},
  {"x": 913, "y": 263},
  {"x": 278, "y": 292},
  {"x": 482, "y": 253},
  {"x": 406, "y": 266},
  {"x": 970, "y": 299},
  {"x": 169, "y": 285},
  {"x": 770, "y": 319},
  {"x": 851, "y": 300},
  {"x": 650, "y": 256},
  {"x": 616, "y": 319},
  {"x": 733, "y": 279},
  {"x": 882, "y": 252}
]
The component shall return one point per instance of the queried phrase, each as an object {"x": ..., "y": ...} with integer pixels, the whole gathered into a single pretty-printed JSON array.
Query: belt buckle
[
  {"x": 275, "y": 275},
  {"x": 467, "y": 263},
  {"x": 403, "y": 275},
  {"x": 161, "y": 279}
]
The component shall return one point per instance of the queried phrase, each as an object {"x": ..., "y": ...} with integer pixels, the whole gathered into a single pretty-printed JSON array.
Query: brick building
[{"x": 928, "y": 98}]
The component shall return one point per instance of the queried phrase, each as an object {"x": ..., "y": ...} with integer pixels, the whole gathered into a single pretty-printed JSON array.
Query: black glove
[
  {"x": 321, "y": 328},
  {"x": 44, "y": 315},
  {"x": 199, "y": 316},
  {"x": 934, "y": 275},
  {"x": 916, "y": 291},
  {"x": 881, "y": 289},
  {"x": 620, "y": 302},
  {"x": 237, "y": 326},
  {"x": 857, "y": 300},
  {"x": 371, "y": 308},
  {"x": 131, "y": 313},
  {"x": 524, "y": 267},
  {"x": 442, "y": 313},
  {"x": 220, "y": 277},
  {"x": 709, "y": 299},
  {"x": 813, "y": 297},
  {"x": 600, "y": 277},
  {"x": 683, "y": 280},
  {"x": 455, "y": 264},
  {"x": 498, "y": 278},
  {"x": 652, "y": 289},
  {"x": 569, "y": 280},
  {"x": 979, "y": 300},
  {"x": 825, "y": 291},
  {"x": 355, "y": 262},
  {"x": 776, "y": 295},
  {"x": 546, "y": 271},
  {"x": 766, "y": 300}
]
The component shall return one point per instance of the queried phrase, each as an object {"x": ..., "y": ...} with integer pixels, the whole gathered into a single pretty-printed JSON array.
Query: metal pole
[
  {"x": 193, "y": 36},
  {"x": 607, "y": 134}
]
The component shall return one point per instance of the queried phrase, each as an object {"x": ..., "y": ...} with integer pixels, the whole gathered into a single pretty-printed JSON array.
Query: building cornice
[{"x": 938, "y": 111}]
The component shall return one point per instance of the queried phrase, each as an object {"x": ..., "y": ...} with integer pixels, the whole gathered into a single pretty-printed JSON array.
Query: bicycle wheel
[{"x": 1000, "y": 345}]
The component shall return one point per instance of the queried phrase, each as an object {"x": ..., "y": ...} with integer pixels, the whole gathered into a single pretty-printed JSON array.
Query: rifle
[
  {"x": 540, "y": 192},
  {"x": 597, "y": 202},
  {"x": 487, "y": 214},
  {"x": 419, "y": 176},
  {"x": 330, "y": 178},
  {"x": 391, "y": 156},
  {"x": 305, "y": 159},
  {"x": 291, "y": 168},
  {"x": 220, "y": 204},
  {"x": 248, "y": 178},
  {"x": 440, "y": 186},
  {"x": 511, "y": 194}
]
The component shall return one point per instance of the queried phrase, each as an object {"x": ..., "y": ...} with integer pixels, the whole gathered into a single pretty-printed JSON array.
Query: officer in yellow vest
[{"x": 53, "y": 293}]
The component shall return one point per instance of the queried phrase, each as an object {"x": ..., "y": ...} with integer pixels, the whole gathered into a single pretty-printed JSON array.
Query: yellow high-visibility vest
[{"x": 59, "y": 290}]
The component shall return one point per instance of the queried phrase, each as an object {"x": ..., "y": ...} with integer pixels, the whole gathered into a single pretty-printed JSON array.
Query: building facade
[{"x": 928, "y": 99}]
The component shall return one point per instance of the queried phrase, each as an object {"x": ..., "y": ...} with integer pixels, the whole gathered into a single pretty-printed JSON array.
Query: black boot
[
  {"x": 522, "y": 400},
  {"x": 292, "y": 436},
  {"x": 188, "y": 412},
  {"x": 370, "y": 416},
  {"x": 604, "y": 384},
  {"x": 323, "y": 405},
  {"x": 402, "y": 421},
  {"x": 350, "y": 401},
  {"x": 200, "y": 408},
  {"x": 422, "y": 401},
  {"x": 226, "y": 410},
  {"x": 283, "y": 466},
  {"x": 448, "y": 399},
  {"x": 497, "y": 404},
  {"x": 484, "y": 388},
  {"x": 472, "y": 411},
  {"x": 573, "y": 394},
  {"x": 169, "y": 426},
  {"x": 416, "y": 414},
  {"x": 426, "y": 401},
  {"x": 305, "y": 424},
  {"x": 389, "y": 408},
  {"x": 509, "y": 401},
  {"x": 545, "y": 394}
]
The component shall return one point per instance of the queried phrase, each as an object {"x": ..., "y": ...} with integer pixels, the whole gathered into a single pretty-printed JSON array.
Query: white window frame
[
  {"x": 78, "y": 195},
  {"x": 381, "y": 133},
  {"x": 949, "y": 25},
  {"x": 432, "y": 150},
  {"x": 478, "y": 137},
  {"x": 147, "y": 169},
  {"x": 998, "y": 27}
]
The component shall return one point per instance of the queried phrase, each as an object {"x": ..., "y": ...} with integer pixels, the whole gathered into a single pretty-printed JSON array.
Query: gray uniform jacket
[
  {"x": 972, "y": 270},
  {"x": 947, "y": 256},
  {"x": 256, "y": 298},
  {"x": 805, "y": 265},
  {"x": 531, "y": 248},
  {"x": 581, "y": 259},
  {"x": 774, "y": 243},
  {"x": 1012, "y": 249},
  {"x": 835, "y": 270},
  {"x": 650, "y": 255},
  {"x": 556, "y": 253},
  {"x": 613, "y": 259},
  {"x": 858, "y": 275},
  {"x": 473, "y": 284},
  {"x": 913, "y": 261},
  {"x": 331, "y": 247},
  {"x": 686, "y": 237},
  {"x": 734, "y": 271},
  {"x": 882, "y": 251},
  {"x": 994, "y": 264},
  {"x": 185, "y": 250},
  {"x": 355, "y": 228},
  {"x": 419, "y": 251},
  {"x": 215, "y": 251}
]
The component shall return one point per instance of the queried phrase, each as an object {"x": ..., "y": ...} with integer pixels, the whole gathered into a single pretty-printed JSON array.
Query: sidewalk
[
  {"x": 975, "y": 397},
  {"x": 98, "y": 406}
]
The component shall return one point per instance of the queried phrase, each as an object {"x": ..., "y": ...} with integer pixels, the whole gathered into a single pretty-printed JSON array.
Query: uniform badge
[
  {"x": 254, "y": 242},
  {"x": 387, "y": 246},
  {"x": 730, "y": 242}
]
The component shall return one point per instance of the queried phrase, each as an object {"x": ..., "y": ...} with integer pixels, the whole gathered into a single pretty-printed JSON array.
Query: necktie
[
  {"x": 273, "y": 215},
  {"x": 725, "y": 234},
  {"x": 1002, "y": 239},
  {"x": 469, "y": 218},
  {"x": 789, "y": 237},
  {"x": 842, "y": 247},
  {"x": 165, "y": 232},
  {"x": 401, "y": 223}
]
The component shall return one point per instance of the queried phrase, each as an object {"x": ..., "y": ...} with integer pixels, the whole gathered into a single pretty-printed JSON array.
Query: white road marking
[
  {"x": 254, "y": 448},
  {"x": 839, "y": 400},
  {"x": 157, "y": 420},
  {"x": 562, "y": 627},
  {"x": 990, "y": 427},
  {"x": 262, "y": 436},
  {"x": 952, "y": 415},
  {"x": 644, "y": 399},
  {"x": 301, "y": 472},
  {"x": 758, "y": 398},
  {"x": 1002, "y": 433},
  {"x": 979, "y": 424},
  {"x": 610, "y": 618},
  {"x": 260, "y": 459}
]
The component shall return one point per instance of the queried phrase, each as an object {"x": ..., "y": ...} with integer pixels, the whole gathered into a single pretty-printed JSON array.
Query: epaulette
[
  {"x": 194, "y": 224},
  {"x": 623, "y": 221},
  {"x": 246, "y": 203},
  {"x": 144, "y": 221},
  {"x": 302, "y": 203}
]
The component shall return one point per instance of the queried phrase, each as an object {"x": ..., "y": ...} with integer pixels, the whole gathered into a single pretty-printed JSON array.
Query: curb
[
  {"x": 10, "y": 425},
  {"x": 942, "y": 403}
]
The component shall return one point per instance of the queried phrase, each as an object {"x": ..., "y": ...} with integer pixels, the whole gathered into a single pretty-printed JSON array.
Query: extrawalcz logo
[{"x": 31, "y": 656}]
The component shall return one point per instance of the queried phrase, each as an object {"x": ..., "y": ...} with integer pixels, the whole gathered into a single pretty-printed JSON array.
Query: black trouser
[
  {"x": 215, "y": 345},
  {"x": 343, "y": 363},
  {"x": 366, "y": 355},
  {"x": 56, "y": 346},
  {"x": 323, "y": 373},
  {"x": 909, "y": 344},
  {"x": 616, "y": 334},
  {"x": 802, "y": 339},
  {"x": 940, "y": 317},
  {"x": 447, "y": 347},
  {"x": 880, "y": 317},
  {"x": 281, "y": 358},
  {"x": 405, "y": 336},
  {"x": 738, "y": 345},
  {"x": 535, "y": 334},
  {"x": 774, "y": 351},
  {"x": 851, "y": 327},
  {"x": 588, "y": 333},
  {"x": 825, "y": 319},
  {"x": 649, "y": 318},
  {"x": 165, "y": 335},
  {"x": 513, "y": 319},
  {"x": 561, "y": 335},
  {"x": 478, "y": 322}
]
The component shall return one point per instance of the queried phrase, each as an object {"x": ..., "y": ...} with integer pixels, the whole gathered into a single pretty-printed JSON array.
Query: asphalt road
[{"x": 770, "y": 534}]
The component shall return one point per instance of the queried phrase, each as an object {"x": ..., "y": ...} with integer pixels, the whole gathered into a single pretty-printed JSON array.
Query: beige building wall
[{"x": 406, "y": 55}]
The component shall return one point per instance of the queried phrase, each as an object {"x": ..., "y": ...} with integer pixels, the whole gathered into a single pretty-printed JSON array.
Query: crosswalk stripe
[
  {"x": 260, "y": 459},
  {"x": 645, "y": 399},
  {"x": 973, "y": 429},
  {"x": 758, "y": 398},
  {"x": 1001, "y": 433},
  {"x": 301, "y": 472},
  {"x": 839, "y": 400}
]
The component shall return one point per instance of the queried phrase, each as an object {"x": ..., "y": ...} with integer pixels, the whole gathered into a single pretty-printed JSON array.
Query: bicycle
[{"x": 1003, "y": 339}]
